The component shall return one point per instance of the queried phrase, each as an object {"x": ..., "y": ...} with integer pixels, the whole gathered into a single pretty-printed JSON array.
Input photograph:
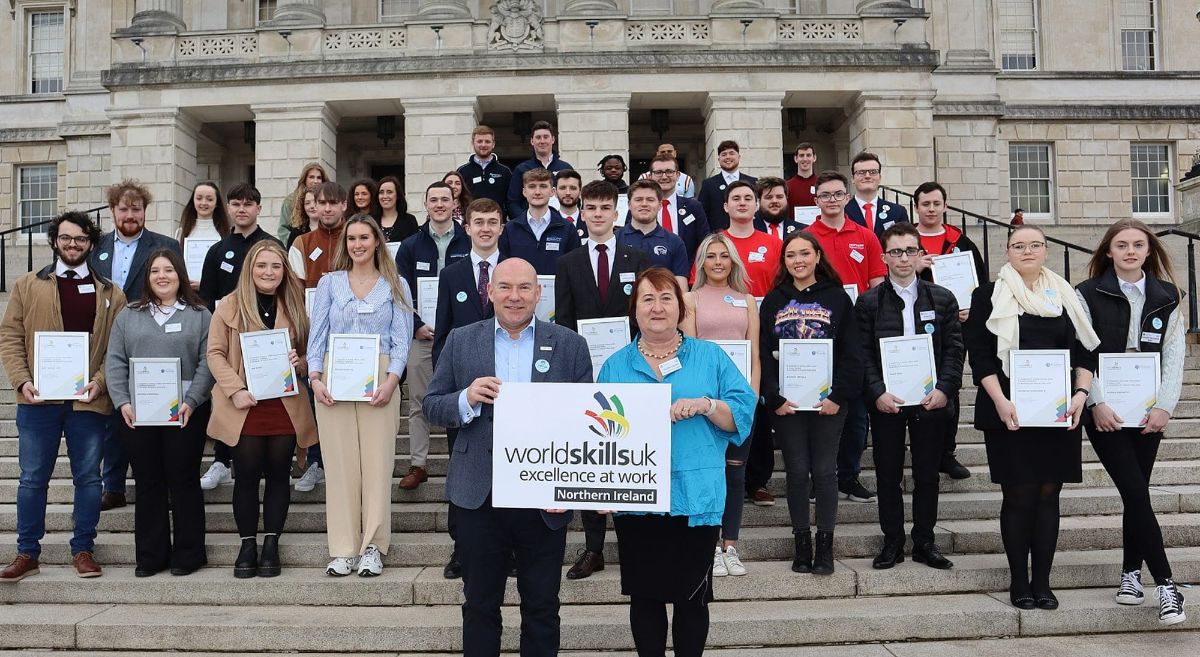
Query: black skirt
[
  {"x": 1035, "y": 455},
  {"x": 665, "y": 560}
]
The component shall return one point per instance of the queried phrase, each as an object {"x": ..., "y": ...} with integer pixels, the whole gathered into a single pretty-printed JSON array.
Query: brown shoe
[
  {"x": 415, "y": 477},
  {"x": 761, "y": 497},
  {"x": 111, "y": 501},
  {"x": 588, "y": 563},
  {"x": 86, "y": 566},
  {"x": 20, "y": 568}
]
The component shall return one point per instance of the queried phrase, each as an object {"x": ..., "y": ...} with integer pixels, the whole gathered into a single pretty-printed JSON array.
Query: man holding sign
[
  {"x": 475, "y": 363},
  {"x": 894, "y": 318}
]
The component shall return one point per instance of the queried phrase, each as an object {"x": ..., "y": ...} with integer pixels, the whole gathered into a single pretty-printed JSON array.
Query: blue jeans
[
  {"x": 39, "y": 428},
  {"x": 115, "y": 464},
  {"x": 854, "y": 441}
]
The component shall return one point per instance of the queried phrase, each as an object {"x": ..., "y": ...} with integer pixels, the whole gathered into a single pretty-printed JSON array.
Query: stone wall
[
  {"x": 967, "y": 164},
  {"x": 12, "y": 155}
]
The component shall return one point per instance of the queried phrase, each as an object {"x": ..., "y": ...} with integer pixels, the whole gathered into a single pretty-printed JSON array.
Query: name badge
[
  {"x": 422, "y": 266},
  {"x": 739, "y": 303},
  {"x": 173, "y": 328},
  {"x": 1152, "y": 338},
  {"x": 888, "y": 224},
  {"x": 688, "y": 219},
  {"x": 927, "y": 316},
  {"x": 366, "y": 308},
  {"x": 756, "y": 257},
  {"x": 87, "y": 289},
  {"x": 628, "y": 277},
  {"x": 856, "y": 256},
  {"x": 669, "y": 366},
  {"x": 225, "y": 266},
  {"x": 551, "y": 246},
  {"x": 316, "y": 253},
  {"x": 477, "y": 179}
]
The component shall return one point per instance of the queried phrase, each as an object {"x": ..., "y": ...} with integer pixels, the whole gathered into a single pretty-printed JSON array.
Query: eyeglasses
[
  {"x": 664, "y": 173},
  {"x": 1032, "y": 247},
  {"x": 79, "y": 240},
  {"x": 863, "y": 173},
  {"x": 911, "y": 252},
  {"x": 826, "y": 197}
]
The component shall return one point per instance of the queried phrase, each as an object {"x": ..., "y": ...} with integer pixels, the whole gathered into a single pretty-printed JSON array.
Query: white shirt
[
  {"x": 909, "y": 295},
  {"x": 483, "y": 164},
  {"x": 1136, "y": 294},
  {"x": 163, "y": 314},
  {"x": 81, "y": 270},
  {"x": 538, "y": 227},
  {"x": 594, "y": 256},
  {"x": 492, "y": 261},
  {"x": 874, "y": 205},
  {"x": 731, "y": 176}
]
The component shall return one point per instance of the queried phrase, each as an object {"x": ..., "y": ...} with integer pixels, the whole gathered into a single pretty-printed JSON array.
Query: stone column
[
  {"x": 591, "y": 126},
  {"x": 156, "y": 146},
  {"x": 754, "y": 119},
  {"x": 299, "y": 12},
  {"x": 157, "y": 16},
  {"x": 970, "y": 37},
  {"x": 286, "y": 137},
  {"x": 578, "y": 7},
  {"x": 437, "y": 133},
  {"x": 443, "y": 9},
  {"x": 898, "y": 127}
]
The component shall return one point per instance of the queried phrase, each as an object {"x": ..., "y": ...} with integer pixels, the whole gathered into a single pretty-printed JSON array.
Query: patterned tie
[
  {"x": 666, "y": 216},
  {"x": 70, "y": 273},
  {"x": 602, "y": 272},
  {"x": 869, "y": 216},
  {"x": 483, "y": 284}
]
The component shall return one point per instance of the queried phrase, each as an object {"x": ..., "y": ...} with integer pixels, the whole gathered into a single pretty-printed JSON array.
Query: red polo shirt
[
  {"x": 853, "y": 251},
  {"x": 760, "y": 256}
]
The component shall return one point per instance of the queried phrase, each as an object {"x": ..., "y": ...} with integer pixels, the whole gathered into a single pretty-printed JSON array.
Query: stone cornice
[
  {"x": 1131, "y": 112},
  {"x": 969, "y": 108},
  {"x": 141, "y": 75},
  {"x": 14, "y": 135}
]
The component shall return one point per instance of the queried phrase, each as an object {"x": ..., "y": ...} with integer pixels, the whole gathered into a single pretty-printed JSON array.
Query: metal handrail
[
  {"x": 29, "y": 243},
  {"x": 1193, "y": 309}
]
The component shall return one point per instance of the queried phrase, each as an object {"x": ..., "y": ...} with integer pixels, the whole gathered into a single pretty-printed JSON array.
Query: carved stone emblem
[{"x": 516, "y": 25}]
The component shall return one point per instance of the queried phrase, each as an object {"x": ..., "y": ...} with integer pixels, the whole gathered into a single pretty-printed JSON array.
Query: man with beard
[
  {"x": 122, "y": 256},
  {"x": 544, "y": 157},
  {"x": 774, "y": 214},
  {"x": 483, "y": 174},
  {"x": 713, "y": 190},
  {"x": 64, "y": 296},
  {"x": 566, "y": 195}
]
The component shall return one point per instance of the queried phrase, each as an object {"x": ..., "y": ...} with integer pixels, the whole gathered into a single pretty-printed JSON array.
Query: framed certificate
[
  {"x": 806, "y": 214},
  {"x": 605, "y": 336},
  {"x": 852, "y": 292},
  {"x": 392, "y": 248},
  {"x": 956, "y": 272},
  {"x": 194, "y": 250},
  {"x": 60, "y": 365},
  {"x": 545, "y": 305},
  {"x": 909, "y": 371},
  {"x": 427, "y": 293},
  {"x": 739, "y": 352},
  {"x": 353, "y": 366},
  {"x": 1130, "y": 384},
  {"x": 1040, "y": 386},
  {"x": 622, "y": 209},
  {"x": 269, "y": 373},
  {"x": 805, "y": 372},
  {"x": 156, "y": 391},
  {"x": 310, "y": 295}
]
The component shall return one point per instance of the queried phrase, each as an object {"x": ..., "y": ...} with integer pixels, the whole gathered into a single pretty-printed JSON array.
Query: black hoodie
[{"x": 823, "y": 310}]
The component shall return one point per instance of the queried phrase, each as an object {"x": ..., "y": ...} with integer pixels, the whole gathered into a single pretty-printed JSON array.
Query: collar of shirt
[
  {"x": 538, "y": 223},
  {"x": 525, "y": 334},
  {"x": 1140, "y": 286},
  {"x": 162, "y": 314},
  {"x": 874, "y": 201},
  {"x": 731, "y": 176},
  {"x": 611, "y": 243},
  {"x": 911, "y": 288},
  {"x": 673, "y": 201},
  {"x": 129, "y": 241},
  {"x": 483, "y": 164},
  {"x": 81, "y": 270},
  {"x": 492, "y": 261}
]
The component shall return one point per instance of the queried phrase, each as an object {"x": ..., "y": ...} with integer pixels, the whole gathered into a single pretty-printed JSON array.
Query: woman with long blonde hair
[{"x": 291, "y": 215}]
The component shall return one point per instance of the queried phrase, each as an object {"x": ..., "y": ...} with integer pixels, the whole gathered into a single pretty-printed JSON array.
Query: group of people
[{"x": 736, "y": 263}]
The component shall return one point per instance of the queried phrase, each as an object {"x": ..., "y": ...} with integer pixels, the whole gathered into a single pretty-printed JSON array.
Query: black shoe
[
  {"x": 803, "y": 560},
  {"x": 1021, "y": 598},
  {"x": 247, "y": 559},
  {"x": 179, "y": 571},
  {"x": 1045, "y": 600},
  {"x": 453, "y": 569},
  {"x": 587, "y": 563},
  {"x": 890, "y": 554},
  {"x": 146, "y": 572},
  {"x": 854, "y": 491},
  {"x": 823, "y": 554},
  {"x": 931, "y": 556},
  {"x": 268, "y": 563},
  {"x": 952, "y": 467},
  {"x": 512, "y": 565}
]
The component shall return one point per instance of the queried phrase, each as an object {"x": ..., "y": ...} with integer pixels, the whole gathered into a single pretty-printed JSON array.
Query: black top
[
  {"x": 405, "y": 225},
  {"x": 266, "y": 308},
  {"x": 223, "y": 264}
]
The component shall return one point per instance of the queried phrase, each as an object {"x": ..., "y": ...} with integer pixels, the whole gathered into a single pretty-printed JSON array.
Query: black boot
[
  {"x": 268, "y": 564},
  {"x": 247, "y": 559},
  {"x": 823, "y": 557},
  {"x": 803, "y": 561}
]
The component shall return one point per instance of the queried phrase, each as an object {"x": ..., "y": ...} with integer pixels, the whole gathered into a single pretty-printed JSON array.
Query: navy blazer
[
  {"x": 894, "y": 214},
  {"x": 470, "y": 353},
  {"x": 575, "y": 294},
  {"x": 457, "y": 281},
  {"x": 712, "y": 197},
  {"x": 101, "y": 259},
  {"x": 790, "y": 225}
]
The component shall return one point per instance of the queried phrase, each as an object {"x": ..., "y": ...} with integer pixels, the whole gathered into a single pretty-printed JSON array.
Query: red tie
[
  {"x": 868, "y": 216},
  {"x": 666, "y": 216},
  {"x": 602, "y": 271}
]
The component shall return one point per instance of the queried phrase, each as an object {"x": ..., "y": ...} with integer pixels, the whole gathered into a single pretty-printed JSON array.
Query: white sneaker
[
  {"x": 312, "y": 476},
  {"x": 217, "y": 474},
  {"x": 370, "y": 564},
  {"x": 1131, "y": 592},
  {"x": 719, "y": 569},
  {"x": 1170, "y": 604},
  {"x": 733, "y": 563},
  {"x": 341, "y": 566}
]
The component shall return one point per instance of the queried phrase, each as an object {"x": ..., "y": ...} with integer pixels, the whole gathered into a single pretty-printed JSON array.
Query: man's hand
[
  {"x": 30, "y": 393},
  {"x": 483, "y": 390},
  {"x": 888, "y": 403},
  {"x": 828, "y": 407},
  {"x": 934, "y": 400},
  {"x": 90, "y": 392},
  {"x": 424, "y": 333}
]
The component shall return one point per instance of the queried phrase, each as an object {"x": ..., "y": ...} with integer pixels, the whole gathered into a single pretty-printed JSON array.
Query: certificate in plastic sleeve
[
  {"x": 269, "y": 372},
  {"x": 60, "y": 365},
  {"x": 353, "y": 366},
  {"x": 805, "y": 372},
  {"x": 156, "y": 391},
  {"x": 1040, "y": 386}
]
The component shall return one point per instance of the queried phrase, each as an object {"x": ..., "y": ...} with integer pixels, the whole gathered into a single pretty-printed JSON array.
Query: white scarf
[{"x": 1049, "y": 296}]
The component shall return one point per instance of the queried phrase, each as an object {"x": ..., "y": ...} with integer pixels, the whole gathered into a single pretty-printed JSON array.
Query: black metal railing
[
  {"x": 27, "y": 229},
  {"x": 1192, "y": 238}
]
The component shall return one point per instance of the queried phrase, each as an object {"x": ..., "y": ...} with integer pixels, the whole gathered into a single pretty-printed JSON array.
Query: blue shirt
[
  {"x": 123, "y": 257},
  {"x": 665, "y": 249},
  {"x": 336, "y": 310},
  {"x": 697, "y": 445},
  {"x": 514, "y": 364}
]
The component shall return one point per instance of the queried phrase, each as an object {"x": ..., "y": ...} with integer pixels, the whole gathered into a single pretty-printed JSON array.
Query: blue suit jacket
[
  {"x": 470, "y": 353},
  {"x": 101, "y": 260},
  {"x": 712, "y": 197},
  {"x": 457, "y": 277},
  {"x": 895, "y": 214}
]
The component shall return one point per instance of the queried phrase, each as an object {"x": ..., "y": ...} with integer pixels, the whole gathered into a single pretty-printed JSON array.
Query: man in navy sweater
[
  {"x": 544, "y": 157},
  {"x": 539, "y": 235}
]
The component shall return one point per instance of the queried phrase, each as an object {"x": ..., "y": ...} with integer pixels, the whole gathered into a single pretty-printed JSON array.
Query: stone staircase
[{"x": 411, "y": 610}]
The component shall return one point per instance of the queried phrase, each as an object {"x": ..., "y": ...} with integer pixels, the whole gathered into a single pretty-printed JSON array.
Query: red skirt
[{"x": 268, "y": 418}]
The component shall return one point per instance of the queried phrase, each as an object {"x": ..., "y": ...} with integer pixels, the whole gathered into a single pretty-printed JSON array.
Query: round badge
[
  {"x": 1051, "y": 293},
  {"x": 929, "y": 327},
  {"x": 461, "y": 297},
  {"x": 762, "y": 249},
  {"x": 228, "y": 254},
  {"x": 1156, "y": 323},
  {"x": 542, "y": 365},
  {"x": 955, "y": 250},
  {"x": 682, "y": 211},
  {"x": 721, "y": 187},
  {"x": 791, "y": 228},
  {"x": 104, "y": 256},
  {"x": 883, "y": 215},
  {"x": 729, "y": 299},
  {"x": 628, "y": 289}
]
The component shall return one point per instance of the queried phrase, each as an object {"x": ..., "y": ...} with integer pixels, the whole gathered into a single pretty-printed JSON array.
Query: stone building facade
[{"x": 1079, "y": 110}]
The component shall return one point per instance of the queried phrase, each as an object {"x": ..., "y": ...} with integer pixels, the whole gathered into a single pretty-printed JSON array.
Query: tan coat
[
  {"x": 225, "y": 363},
  {"x": 34, "y": 306}
]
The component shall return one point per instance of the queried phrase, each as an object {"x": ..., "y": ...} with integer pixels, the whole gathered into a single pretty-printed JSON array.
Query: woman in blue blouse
[
  {"x": 361, "y": 294},
  {"x": 668, "y": 558}
]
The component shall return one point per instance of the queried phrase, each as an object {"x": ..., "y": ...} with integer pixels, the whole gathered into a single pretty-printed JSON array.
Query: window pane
[
  {"x": 37, "y": 195},
  {"x": 266, "y": 10},
  {"x": 1137, "y": 50},
  {"x": 1150, "y": 173},
  {"x": 397, "y": 8},
  {"x": 46, "y": 52},
  {"x": 1018, "y": 34},
  {"x": 1029, "y": 177}
]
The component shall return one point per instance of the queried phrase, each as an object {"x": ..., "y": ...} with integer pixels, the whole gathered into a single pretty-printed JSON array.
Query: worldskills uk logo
[{"x": 610, "y": 422}]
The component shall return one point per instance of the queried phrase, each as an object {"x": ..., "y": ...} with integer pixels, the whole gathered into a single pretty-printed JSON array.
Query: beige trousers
[{"x": 420, "y": 372}]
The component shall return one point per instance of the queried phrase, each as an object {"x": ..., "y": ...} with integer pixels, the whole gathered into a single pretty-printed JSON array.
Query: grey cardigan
[{"x": 135, "y": 334}]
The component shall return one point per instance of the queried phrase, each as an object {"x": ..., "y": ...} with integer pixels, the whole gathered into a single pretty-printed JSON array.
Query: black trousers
[
  {"x": 1129, "y": 456},
  {"x": 950, "y": 437},
  {"x": 925, "y": 431},
  {"x": 761, "y": 463},
  {"x": 595, "y": 527},
  {"x": 168, "y": 518},
  {"x": 487, "y": 537}
]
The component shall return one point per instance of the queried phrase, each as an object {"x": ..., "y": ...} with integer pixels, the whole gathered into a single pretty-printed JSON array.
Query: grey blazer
[
  {"x": 470, "y": 353},
  {"x": 101, "y": 259}
]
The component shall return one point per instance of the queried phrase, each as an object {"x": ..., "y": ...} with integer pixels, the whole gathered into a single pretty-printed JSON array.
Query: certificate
[
  {"x": 353, "y": 366},
  {"x": 909, "y": 371},
  {"x": 60, "y": 365},
  {"x": 1130, "y": 384},
  {"x": 392, "y": 248},
  {"x": 806, "y": 214},
  {"x": 427, "y": 293},
  {"x": 156, "y": 390},
  {"x": 194, "y": 250},
  {"x": 310, "y": 296},
  {"x": 1040, "y": 386},
  {"x": 622, "y": 209},
  {"x": 805, "y": 372},
  {"x": 605, "y": 336},
  {"x": 852, "y": 291},
  {"x": 956, "y": 272},
  {"x": 269, "y": 372},
  {"x": 739, "y": 352},
  {"x": 545, "y": 305}
]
